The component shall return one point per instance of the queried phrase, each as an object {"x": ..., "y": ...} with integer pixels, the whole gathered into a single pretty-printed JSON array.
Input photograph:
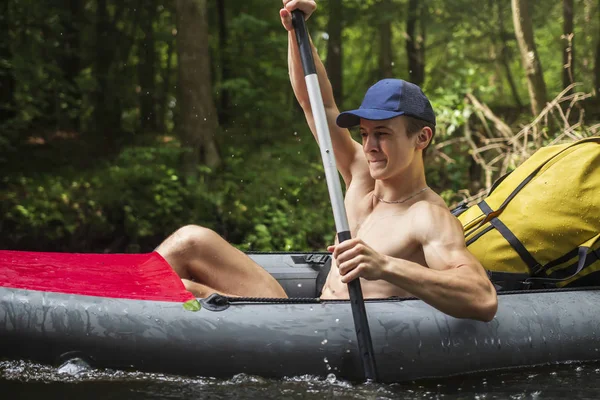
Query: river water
[{"x": 25, "y": 380}]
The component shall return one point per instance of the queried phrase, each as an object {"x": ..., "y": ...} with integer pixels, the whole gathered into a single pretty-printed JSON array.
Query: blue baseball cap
[{"x": 387, "y": 99}]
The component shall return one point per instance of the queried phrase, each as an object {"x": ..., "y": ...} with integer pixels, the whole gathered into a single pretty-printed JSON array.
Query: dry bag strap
[
  {"x": 586, "y": 258},
  {"x": 515, "y": 281},
  {"x": 515, "y": 243},
  {"x": 587, "y": 254},
  {"x": 509, "y": 280}
]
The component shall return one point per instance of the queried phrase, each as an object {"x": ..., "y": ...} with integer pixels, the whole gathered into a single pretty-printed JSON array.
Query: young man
[{"x": 405, "y": 241}]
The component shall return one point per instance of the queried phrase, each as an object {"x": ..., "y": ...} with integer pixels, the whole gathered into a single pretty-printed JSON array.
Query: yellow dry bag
[{"x": 540, "y": 225}]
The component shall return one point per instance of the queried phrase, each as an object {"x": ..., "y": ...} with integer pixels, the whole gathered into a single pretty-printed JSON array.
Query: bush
[{"x": 257, "y": 201}]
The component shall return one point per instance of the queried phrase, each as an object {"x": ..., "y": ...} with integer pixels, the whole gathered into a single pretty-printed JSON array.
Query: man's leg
[{"x": 208, "y": 264}]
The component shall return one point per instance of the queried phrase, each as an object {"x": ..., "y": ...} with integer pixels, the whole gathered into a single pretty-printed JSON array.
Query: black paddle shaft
[{"x": 359, "y": 314}]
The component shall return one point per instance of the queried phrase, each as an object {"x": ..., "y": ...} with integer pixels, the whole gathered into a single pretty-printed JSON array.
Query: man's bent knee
[{"x": 195, "y": 236}]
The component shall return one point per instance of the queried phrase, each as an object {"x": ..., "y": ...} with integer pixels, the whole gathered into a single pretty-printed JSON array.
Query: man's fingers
[
  {"x": 350, "y": 276},
  {"x": 349, "y": 254},
  {"x": 286, "y": 19},
  {"x": 344, "y": 246},
  {"x": 347, "y": 266},
  {"x": 307, "y": 7}
]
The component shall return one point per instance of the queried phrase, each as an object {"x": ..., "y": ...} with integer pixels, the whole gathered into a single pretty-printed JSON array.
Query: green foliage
[{"x": 259, "y": 202}]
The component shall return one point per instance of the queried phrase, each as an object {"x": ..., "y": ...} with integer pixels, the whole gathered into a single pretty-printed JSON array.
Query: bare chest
[{"x": 386, "y": 232}]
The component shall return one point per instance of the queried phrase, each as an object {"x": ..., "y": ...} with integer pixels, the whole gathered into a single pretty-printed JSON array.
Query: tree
[
  {"x": 334, "y": 48},
  {"x": 529, "y": 56},
  {"x": 568, "y": 72},
  {"x": 597, "y": 63},
  {"x": 386, "y": 58},
  {"x": 415, "y": 41},
  {"x": 71, "y": 56},
  {"x": 225, "y": 70},
  {"x": 102, "y": 115},
  {"x": 7, "y": 81},
  {"x": 197, "y": 112},
  {"x": 147, "y": 68},
  {"x": 504, "y": 53}
]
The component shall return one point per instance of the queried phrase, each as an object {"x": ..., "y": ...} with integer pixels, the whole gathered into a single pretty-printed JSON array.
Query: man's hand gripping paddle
[{"x": 361, "y": 325}]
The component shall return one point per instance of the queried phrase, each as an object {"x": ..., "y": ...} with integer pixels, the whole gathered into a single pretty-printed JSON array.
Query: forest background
[{"x": 122, "y": 120}]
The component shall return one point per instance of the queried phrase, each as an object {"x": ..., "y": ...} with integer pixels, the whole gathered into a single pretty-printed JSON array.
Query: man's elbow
[
  {"x": 487, "y": 306},
  {"x": 487, "y": 310}
]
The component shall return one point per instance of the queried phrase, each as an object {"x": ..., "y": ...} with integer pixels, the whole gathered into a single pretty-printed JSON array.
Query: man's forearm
[
  {"x": 456, "y": 292},
  {"x": 297, "y": 76},
  {"x": 343, "y": 145}
]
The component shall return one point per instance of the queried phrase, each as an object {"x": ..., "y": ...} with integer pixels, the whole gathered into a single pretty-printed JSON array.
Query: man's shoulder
[
  {"x": 430, "y": 208},
  {"x": 432, "y": 217}
]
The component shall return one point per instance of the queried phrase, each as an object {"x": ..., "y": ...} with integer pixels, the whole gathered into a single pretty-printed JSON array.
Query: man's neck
[{"x": 402, "y": 186}]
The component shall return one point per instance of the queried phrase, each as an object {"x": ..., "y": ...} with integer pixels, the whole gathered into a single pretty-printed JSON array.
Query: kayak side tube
[{"x": 411, "y": 339}]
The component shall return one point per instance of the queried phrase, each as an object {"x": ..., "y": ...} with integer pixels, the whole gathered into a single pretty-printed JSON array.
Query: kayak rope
[
  {"x": 299, "y": 300},
  {"x": 315, "y": 300},
  {"x": 293, "y": 300}
]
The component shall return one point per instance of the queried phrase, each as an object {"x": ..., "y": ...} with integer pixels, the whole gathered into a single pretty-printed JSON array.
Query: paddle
[{"x": 361, "y": 325}]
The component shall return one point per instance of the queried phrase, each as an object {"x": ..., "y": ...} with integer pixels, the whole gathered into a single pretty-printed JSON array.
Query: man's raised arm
[{"x": 346, "y": 150}]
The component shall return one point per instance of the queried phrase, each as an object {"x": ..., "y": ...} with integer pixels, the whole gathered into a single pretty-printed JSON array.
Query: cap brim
[{"x": 351, "y": 118}]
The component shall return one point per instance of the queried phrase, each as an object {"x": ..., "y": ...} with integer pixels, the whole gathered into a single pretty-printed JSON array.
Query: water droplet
[
  {"x": 337, "y": 320},
  {"x": 324, "y": 341},
  {"x": 299, "y": 285},
  {"x": 325, "y": 360}
]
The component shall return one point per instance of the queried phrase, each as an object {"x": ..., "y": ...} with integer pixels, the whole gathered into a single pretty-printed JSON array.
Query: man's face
[{"x": 387, "y": 147}]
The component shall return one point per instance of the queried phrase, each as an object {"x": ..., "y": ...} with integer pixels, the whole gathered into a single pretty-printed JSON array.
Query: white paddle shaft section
[{"x": 329, "y": 165}]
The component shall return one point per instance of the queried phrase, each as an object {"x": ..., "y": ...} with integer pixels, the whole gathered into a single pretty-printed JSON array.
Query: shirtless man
[{"x": 405, "y": 241}]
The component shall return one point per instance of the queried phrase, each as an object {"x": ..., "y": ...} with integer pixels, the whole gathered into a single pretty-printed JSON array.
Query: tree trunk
[
  {"x": 529, "y": 56},
  {"x": 225, "y": 70},
  {"x": 505, "y": 56},
  {"x": 334, "y": 49},
  {"x": 71, "y": 60},
  {"x": 198, "y": 114},
  {"x": 568, "y": 73},
  {"x": 162, "y": 104},
  {"x": 101, "y": 70},
  {"x": 147, "y": 69},
  {"x": 597, "y": 63},
  {"x": 7, "y": 81},
  {"x": 386, "y": 57},
  {"x": 415, "y": 41}
]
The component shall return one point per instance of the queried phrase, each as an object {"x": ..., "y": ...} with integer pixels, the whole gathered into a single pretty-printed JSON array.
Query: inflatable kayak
[{"x": 132, "y": 311}]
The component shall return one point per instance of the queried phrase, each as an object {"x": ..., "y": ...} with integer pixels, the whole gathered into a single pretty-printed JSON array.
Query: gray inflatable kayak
[{"x": 298, "y": 336}]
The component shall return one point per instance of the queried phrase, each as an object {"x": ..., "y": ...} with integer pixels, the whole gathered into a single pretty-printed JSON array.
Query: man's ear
[{"x": 424, "y": 137}]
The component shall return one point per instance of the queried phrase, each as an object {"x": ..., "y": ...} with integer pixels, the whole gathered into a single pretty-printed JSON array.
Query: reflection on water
[{"x": 24, "y": 380}]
